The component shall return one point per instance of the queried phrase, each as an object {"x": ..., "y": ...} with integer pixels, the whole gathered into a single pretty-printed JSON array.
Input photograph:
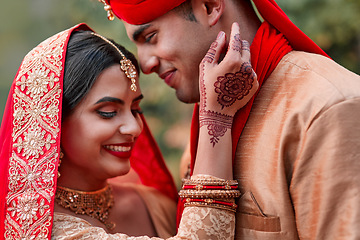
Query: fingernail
[{"x": 221, "y": 33}]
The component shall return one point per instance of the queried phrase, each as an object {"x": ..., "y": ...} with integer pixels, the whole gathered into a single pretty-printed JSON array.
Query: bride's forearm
[{"x": 214, "y": 159}]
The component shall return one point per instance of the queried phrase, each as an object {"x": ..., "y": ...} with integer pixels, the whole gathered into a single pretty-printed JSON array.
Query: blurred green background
[{"x": 332, "y": 24}]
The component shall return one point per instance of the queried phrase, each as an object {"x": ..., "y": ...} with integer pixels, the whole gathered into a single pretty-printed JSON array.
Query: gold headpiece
[
  {"x": 126, "y": 65},
  {"x": 107, "y": 7}
]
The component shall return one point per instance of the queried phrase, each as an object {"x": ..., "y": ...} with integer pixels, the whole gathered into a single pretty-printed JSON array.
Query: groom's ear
[{"x": 208, "y": 10}]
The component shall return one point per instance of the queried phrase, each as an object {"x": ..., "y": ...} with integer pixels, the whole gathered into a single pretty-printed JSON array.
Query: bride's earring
[{"x": 60, "y": 158}]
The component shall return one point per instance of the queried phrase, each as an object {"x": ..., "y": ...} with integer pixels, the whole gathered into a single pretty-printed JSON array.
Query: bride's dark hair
[{"x": 86, "y": 57}]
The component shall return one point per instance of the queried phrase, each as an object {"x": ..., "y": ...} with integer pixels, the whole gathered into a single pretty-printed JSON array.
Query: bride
[{"x": 73, "y": 123}]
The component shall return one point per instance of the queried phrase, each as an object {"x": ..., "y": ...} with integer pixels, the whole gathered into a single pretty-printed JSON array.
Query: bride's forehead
[{"x": 112, "y": 82}]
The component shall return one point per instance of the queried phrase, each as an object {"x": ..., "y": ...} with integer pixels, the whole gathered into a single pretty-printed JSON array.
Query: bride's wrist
[{"x": 226, "y": 113}]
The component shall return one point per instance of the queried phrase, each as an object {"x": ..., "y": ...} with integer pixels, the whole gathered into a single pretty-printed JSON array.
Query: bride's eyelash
[
  {"x": 106, "y": 115},
  {"x": 137, "y": 111}
]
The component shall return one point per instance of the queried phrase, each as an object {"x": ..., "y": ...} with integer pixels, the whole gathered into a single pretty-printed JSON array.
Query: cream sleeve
[{"x": 197, "y": 223}]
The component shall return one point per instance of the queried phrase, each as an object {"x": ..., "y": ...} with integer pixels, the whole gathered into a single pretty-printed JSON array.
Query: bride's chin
[{"x": 118, "y": 171}]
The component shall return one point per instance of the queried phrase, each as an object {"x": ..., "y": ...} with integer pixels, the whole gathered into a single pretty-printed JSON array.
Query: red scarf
[
  {"x": 267, "y": 49},
  {"x": 274, "y": 15}
]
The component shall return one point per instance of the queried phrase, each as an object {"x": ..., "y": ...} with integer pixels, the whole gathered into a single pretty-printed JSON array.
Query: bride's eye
[{"x": 106, "y": 115}]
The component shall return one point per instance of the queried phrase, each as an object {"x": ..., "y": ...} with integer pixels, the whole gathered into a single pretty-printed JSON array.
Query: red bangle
[{"x": 201, "y": 187}]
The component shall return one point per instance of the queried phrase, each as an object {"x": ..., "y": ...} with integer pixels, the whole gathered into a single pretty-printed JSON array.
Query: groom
[{"x": 296, "y": 143}]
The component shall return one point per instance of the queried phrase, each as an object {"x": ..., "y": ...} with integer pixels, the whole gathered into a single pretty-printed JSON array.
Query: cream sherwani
[{"x": 298, "y": 158}]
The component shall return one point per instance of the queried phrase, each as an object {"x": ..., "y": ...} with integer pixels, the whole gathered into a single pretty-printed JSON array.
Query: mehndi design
[
  {"x": 230, "y": 88},
  {"x": 234, "y": 86}
]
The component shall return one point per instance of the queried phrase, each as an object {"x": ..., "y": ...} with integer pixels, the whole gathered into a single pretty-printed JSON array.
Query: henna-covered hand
[
  {"x": 235, "y": 86},
  {"x": 227, "y": 86}
]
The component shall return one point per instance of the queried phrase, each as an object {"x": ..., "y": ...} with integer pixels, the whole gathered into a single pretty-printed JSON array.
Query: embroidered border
[{"x": 33, "y": 162}]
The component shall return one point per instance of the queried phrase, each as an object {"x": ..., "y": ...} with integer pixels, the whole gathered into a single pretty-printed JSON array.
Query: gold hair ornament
[
  {"x": 126, "y": 65},
  {"x": 108, "y": 9}
]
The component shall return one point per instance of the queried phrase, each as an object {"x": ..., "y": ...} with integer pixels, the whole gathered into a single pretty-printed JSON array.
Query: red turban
[{"x": 142, "y": 11}]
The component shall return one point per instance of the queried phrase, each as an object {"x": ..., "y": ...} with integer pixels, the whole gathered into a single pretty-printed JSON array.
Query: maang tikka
[
  {"x": 126, "y": 65},
  {"x": 107, "y": 8}
]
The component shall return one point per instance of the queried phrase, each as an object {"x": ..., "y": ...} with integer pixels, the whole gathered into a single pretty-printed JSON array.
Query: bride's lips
[
  {"x": 119, "y": 150},
  {"x": 168, "y": 76}
]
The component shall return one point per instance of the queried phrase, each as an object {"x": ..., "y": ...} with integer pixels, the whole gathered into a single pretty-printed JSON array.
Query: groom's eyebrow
[{"x": 139, "y": 31}]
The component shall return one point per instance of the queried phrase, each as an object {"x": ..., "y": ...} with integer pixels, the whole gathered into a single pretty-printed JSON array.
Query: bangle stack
[{"x": 210, "y": 192}]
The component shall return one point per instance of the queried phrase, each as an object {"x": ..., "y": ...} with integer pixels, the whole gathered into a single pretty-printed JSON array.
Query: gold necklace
[{"x": 95, "y": 204}]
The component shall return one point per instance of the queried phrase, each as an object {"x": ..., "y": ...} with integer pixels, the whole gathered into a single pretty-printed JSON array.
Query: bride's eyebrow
[
  {"x": 138, "y": 98},
  {"x": 110, "y": 99},
  {"x": 117, "y": 100}
]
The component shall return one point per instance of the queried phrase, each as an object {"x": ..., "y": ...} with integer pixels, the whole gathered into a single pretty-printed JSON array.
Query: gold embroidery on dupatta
[{"x": 35, "y": 134}]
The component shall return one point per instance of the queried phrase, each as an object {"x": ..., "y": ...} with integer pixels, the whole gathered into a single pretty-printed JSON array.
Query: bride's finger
[
  {"x": 245, "y": 50},
  {"x": 214, "y": 52},
  {"x": 234, "y": 49}
]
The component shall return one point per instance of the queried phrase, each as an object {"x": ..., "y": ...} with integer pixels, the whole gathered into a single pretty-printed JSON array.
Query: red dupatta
[{"x": 30, "y": 144}]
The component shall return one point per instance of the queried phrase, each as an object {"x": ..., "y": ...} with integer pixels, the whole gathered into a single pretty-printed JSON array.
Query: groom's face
[{"x": 173, "y": 47}]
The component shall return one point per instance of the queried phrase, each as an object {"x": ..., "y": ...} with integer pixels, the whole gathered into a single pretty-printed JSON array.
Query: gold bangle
[
  {"x": 210, "y": 182},
  {"x": 223, "y": 194},
  {"x": 213, "y": 204}
]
